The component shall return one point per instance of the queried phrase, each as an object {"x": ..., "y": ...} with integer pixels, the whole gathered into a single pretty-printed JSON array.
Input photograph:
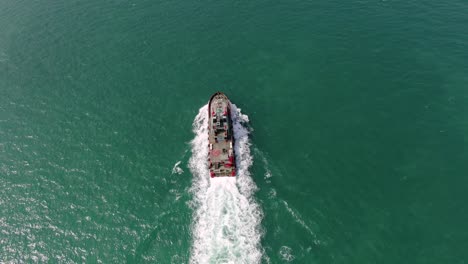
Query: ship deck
[{"x": 220, "y": 137}]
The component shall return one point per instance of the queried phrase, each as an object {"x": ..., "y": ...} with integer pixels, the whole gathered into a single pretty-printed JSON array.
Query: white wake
[{"x": 226, "y": 224}]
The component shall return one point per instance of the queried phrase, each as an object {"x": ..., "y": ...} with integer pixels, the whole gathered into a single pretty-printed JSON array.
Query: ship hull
[{"x": 221, "y": 157}]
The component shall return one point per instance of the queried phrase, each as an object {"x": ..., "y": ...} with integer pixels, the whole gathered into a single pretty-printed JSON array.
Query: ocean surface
[{"x": 351, "y": 120}]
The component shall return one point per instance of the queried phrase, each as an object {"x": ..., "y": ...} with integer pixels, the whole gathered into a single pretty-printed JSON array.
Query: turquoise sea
[{"x": 352, "y": 126}]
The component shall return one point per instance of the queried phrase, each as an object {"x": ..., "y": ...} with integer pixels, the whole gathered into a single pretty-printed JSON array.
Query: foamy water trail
[{"x": 226, "y": 221}]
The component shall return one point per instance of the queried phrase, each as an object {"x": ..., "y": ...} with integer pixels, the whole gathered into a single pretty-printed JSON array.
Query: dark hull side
[{"x": 221, "y": 157}]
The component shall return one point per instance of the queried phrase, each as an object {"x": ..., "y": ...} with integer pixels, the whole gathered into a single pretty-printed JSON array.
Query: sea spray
[{"x": 226, "y": 219}]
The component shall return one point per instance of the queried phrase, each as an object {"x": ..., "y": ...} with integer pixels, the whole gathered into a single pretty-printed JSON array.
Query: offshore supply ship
[{"x": 221, "y": 158}]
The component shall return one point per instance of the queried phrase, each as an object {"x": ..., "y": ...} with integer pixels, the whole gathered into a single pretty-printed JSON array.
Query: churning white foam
[
  {"x": 176, "y": 169},
  {"x": 226, "y": 224}
]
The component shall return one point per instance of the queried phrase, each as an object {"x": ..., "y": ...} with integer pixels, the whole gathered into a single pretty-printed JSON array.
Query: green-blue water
[{"x": 358, "y": 111}]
